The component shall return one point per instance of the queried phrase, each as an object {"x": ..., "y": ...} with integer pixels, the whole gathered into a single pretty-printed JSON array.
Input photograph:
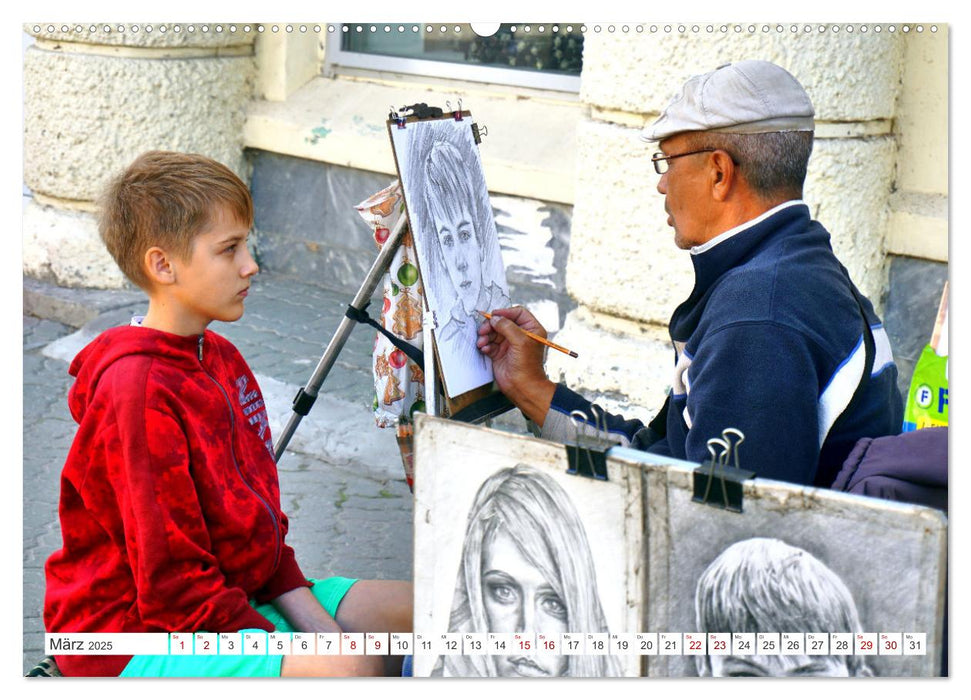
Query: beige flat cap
[{"x": 748, "y": 97}]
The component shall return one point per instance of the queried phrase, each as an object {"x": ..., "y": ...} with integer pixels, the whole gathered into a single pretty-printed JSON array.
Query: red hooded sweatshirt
[{"x": 170, "y": 505}]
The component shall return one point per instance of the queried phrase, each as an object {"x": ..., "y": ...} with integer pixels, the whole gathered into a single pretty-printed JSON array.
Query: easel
[{"x": 472, "y": 407}]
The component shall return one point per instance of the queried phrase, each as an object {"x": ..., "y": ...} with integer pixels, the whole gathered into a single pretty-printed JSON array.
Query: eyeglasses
[{"x": 661, "y": 161}]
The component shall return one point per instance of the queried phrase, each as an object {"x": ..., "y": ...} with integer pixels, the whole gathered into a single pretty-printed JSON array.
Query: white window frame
[{"x": 337, "y": 58}]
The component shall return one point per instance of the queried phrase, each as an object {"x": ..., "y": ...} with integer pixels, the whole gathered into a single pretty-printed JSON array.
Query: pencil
[{"x": 539, "y": 339}]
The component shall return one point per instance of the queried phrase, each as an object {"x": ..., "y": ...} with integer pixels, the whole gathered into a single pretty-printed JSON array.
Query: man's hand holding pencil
[{"x": 517, "y": 359}]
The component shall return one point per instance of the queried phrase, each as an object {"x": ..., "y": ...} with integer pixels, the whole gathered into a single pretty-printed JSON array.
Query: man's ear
[
  {"x": 724, "y": 175},
  {"x": 158, "y": 266}
]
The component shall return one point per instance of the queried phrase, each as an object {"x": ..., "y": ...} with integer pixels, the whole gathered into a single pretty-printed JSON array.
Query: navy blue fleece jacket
[{"x": 770, "y": 341}]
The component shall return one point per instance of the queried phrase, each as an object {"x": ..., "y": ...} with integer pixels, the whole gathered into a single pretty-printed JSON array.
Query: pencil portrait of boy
[
  {"x": 458, "y": 247},
  {"x": 170, "y": 501},
  {"x": 766, "y": 585}
]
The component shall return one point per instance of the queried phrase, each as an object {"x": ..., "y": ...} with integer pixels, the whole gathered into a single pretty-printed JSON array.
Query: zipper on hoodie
[{"x": 232, "y": 428}]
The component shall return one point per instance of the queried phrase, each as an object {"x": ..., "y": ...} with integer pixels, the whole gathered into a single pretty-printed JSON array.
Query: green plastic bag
[{"x": 927, "y": 399}]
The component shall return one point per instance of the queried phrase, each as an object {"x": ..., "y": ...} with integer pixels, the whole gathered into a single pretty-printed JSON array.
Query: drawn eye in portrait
[
  {"x": 526, "y": 566},
  {"x": 763, "y": 584},
  {"x": 456, "y": 241}
]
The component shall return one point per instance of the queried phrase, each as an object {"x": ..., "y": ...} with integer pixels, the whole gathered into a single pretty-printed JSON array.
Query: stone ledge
[
  {"x": 529, "y": 150},
  {"x": 73, "y": 307},
  {"x": 918, "y": 236}
]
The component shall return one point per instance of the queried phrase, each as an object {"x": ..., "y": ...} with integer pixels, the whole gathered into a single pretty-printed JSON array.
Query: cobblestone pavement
[{"x": 341, "y": 479}]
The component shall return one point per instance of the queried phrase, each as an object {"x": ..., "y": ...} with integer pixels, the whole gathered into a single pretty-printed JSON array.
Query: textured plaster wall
[
  {"x": 63, "y": 246},
  {"x": 922, "y": 122},
  {"x": 848, "y": 190},
  {"x": 94, "y": 101},
  {"x": 623, "y": 260},
  {"x": 919, "y": 221},
  {"x": 623, "y": 365},
  {"x": 849, "y": 76},
  {"x": 624, "y": 271}
]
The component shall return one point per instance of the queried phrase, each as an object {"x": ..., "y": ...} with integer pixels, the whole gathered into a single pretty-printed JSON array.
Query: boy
[
  {"x": 766, "y": 585},
  {"x": 170, "y": 505}
]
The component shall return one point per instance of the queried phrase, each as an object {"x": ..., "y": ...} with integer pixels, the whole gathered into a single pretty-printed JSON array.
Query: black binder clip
[
  {"x": 722, "y": 474},
  {"x": 478, "y": 133},
  {"x": 423, "y": 111},
  {"x": 588, "y": 455}
]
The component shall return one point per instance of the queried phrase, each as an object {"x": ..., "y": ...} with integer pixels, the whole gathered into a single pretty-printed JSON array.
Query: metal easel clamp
[
  {"x": 303, "y": 402},
  {"x": 722, "y": 468},
  {"x": 587, "y": 456}
]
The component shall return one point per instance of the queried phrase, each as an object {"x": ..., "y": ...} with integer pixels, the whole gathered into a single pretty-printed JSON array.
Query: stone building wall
[{"x": 95, "y": 96}]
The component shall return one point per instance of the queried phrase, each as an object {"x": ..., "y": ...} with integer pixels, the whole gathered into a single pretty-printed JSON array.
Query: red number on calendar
[
  {"x": 695, "y": 645},
  {"x": 205, "y": 645},
  {"x": 377, "y": 644},
  {"x": 353, "y": 645},
  {"x": 891, "y": 645},
  {"x": 524, "y": 644},
  {"x": 719, "y": 645},
  {"x": 866, "y": 646},
  {"x": 549, "y": 645}
]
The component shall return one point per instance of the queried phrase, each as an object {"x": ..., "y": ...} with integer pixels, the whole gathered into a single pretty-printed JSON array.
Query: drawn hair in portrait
[
  {"x": 526, "y": 566},
  {"x": 795, "y": 560},
  {"x": 764, "y": 584},
  {"x": 456, "y": 241}
]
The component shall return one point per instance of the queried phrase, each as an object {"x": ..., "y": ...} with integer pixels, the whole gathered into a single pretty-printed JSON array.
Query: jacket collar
[
  {"x": 731, "y": 249},
  {"x": 704, "y": 247},
  {"x": 727, "y": 250}
]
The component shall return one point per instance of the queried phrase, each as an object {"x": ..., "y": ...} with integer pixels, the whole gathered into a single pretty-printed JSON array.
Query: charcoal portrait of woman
[{"x": 526, "y": 566}]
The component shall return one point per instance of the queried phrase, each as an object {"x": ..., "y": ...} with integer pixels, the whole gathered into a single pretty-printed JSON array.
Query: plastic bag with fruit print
[{"x": 399, "y": 383}]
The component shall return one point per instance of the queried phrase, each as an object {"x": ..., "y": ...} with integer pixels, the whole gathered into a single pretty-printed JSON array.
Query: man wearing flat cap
[{"x": 774, "y": 339}]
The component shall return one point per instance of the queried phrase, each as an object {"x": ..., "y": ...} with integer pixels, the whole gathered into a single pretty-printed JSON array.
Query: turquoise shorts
[{"x": 330, "y": 592}]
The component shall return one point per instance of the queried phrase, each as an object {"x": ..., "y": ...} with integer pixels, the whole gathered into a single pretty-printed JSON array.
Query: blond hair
[{"x": 166, "y": 199}]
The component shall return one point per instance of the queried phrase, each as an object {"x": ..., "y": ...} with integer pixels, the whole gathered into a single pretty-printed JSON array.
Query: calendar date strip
[{"x": 396, "y": 644}]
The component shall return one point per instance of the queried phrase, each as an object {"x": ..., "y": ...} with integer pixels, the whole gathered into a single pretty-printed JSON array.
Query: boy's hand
[{"x": 517, "y": 360}]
